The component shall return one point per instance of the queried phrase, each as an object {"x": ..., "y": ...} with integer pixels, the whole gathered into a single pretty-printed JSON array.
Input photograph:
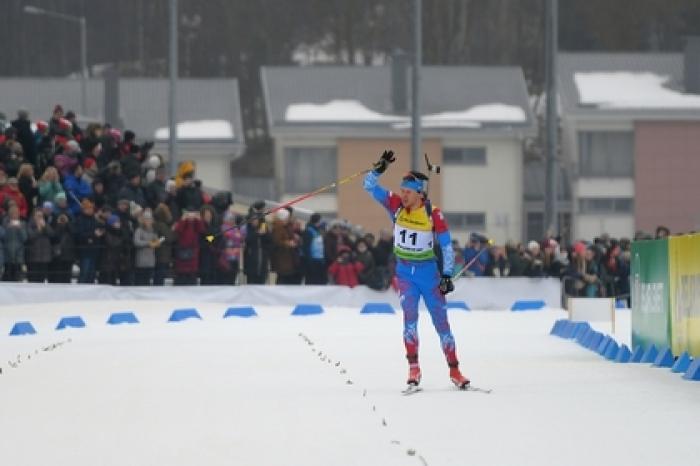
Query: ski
[
  {"x": 411, "y": 389},
  {"x": 471, "y": 388}
]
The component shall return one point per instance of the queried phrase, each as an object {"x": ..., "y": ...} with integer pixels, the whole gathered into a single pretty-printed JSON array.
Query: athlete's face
[{"x": 410, "y": 198}]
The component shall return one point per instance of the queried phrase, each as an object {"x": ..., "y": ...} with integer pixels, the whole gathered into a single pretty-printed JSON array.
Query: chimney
[
  {"x": 399, "y": 82},
  {"x": 692, "y": 65},
  {"x": 111, "y": 96}
]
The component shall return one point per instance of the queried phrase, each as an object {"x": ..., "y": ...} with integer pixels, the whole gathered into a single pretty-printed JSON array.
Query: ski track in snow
[{"x": 275, "y": 390}]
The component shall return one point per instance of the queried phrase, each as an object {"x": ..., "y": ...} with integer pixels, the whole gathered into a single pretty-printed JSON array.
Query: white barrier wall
[{"x": 483, "y": 293}]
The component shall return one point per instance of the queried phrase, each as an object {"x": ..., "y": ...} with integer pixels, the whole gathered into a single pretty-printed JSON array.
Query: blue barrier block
[
  {"x": 246, "y": 311},
  {"x": 693, "y": 372},
  {"x": 568, "y": 329},
  {"x": 611, "y": 351},
  {"x": 664, "y": 358},
  {"x": 556, "y": 328},
  {"x": 307, "y": 310},
  {"x": 603, "y": 345},
  {"x": 595, "y": 340},
  {"x": 581, "y": 328},
  {"x": 637, "y": 355},
  {"x": 624, "y": 354},
  {"x": 458, "y": 305},
  {"x": 650, "y": 354},
  {"x": 377, "y": 308},
  {"x": 122, "y": 318},
  {"x": 22, "y": 328},
  {"x": 581, "y": 337},
  {"x": 682, "y": 363},
  {"x": 72, "y": 321},
  {"x": 527, "y": 306},
  {"x": 179, "y": 315},
  {"x": 589, "y": 337}
]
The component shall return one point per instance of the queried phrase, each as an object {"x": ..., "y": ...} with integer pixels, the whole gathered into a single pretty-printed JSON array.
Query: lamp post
[{"x": 33, "y": 10}]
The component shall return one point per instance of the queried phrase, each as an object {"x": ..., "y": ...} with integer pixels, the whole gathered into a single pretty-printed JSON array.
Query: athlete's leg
[
  {"x": 437, "y": 306},
  {"x": 409, "y": 295}
]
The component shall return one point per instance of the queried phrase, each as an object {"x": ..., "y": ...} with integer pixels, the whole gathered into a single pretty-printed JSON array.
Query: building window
[
  {"x": 464, "y": 156},
  {"x": 606, "y": 205},
  {"x": 466, "y": 220},
  {"x": 308, "y": 168},
  {"x": 606, "y": 153}
]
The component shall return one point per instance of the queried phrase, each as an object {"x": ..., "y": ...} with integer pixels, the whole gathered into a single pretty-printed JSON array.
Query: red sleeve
[
  {"x": 394, "y": 202},
  {"x": 439, "y": 222}
]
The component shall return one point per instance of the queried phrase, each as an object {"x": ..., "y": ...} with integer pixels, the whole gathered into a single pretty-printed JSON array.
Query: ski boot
[
  {"x": 458, "y": 379},
  {"x": 414, "y": 375}
]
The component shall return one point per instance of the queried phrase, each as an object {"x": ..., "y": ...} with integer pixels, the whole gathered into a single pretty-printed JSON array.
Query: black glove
[
  {"x": 384, "y": 161},
  {"x": 446, "y": 285}
]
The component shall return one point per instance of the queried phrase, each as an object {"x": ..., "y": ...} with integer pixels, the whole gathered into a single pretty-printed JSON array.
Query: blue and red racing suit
[{"x": 416, "y": 266}]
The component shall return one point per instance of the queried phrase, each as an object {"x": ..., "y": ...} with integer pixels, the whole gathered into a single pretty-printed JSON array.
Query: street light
[{"x": 33, "y": 10}]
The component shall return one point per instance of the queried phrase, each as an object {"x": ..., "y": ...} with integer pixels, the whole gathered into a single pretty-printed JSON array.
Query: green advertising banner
[
  {"x": 684, "y": 256},
  {"x": 650, "y": 294}
]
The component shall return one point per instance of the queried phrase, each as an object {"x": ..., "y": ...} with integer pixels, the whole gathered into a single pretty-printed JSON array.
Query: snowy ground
[{"x": 256, "y": 392}]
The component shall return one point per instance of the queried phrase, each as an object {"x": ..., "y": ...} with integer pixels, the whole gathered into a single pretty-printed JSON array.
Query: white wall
[
  {"x": 587, "y": 227},
  {"x": 495, "y": 188}
]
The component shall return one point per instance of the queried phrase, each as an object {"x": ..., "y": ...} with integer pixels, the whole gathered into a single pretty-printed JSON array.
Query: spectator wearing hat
[
  {"x": 345, "y": 270},
  {"x": 112, "y": 258},
  {"x": 231, "y": 242},
  {"x": 44, "y": 146},
  {"x": 15, "y": 238},
  {"x": 113, "y": 180},
  {"x": 127, "y": 211},
  {"x": 40, "y": 234},
  {"x": 315, "y": 269},
  {"x": 54, "y": 121},
  {"x": 258, "y": 243},
  {"x": 60, "y": 205},
  {"x": 477, "y": 243},
  {"x": 534, "y": 259},
  {"x": 68, "y": 157},
  {"x": 11, "y": 193},
  {"x": 77, "y": 189},
  {"x": 209, "y": 251},
  {"x": 89, "y": 241},
  {"x": 155, "y": 191},
  {"x": 133, "y": 190},
  {"x": 63, "y": 251},
  {"x": 188, "y": 231},
  {"x": 162, "y": 224},
  {"x": 76, "y": 131},
  {"x": 146, "y": 241},
  {"x": 49, "y": 185},
  {"x": 284, "y": 249},
  {"x": 25, "y": 136},
  {"x": 189, "y": 196}
]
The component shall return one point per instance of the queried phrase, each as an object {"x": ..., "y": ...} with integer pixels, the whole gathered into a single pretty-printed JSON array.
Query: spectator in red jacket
[
  {"x": 188, "y": 230},
  {"x": 11, "y": 192},
  {"x": 345, "y": 270}
]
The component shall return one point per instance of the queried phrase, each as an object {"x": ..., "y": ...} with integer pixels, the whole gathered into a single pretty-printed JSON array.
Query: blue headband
[{"x": 414, "y": 184}]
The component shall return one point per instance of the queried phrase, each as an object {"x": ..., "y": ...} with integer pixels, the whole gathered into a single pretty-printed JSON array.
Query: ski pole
[
  {"x": 296, "y": 200},
  {"x": 469, "y": 264}
]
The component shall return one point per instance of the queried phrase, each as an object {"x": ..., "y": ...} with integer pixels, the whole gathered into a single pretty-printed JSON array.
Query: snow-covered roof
[
  {"x": 459, "y": 97},
  {"x": 200, "y": 130},
  {"x": 626, "y": 85},
  {"x": 343, "y": 111},
  {"x": 631, "y": 90}
]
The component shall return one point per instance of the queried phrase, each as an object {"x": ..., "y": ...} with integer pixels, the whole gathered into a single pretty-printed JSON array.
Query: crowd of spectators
[{"x": 95, "y": 202}]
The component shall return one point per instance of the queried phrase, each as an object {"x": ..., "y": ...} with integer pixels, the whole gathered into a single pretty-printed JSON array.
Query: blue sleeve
[
  {"x": 448, "y": 254},
  {"x": 371, "y": 185}
]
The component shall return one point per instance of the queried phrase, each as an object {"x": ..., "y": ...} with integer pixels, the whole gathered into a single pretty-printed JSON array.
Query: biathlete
[{"x": 416, "y": 226}]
